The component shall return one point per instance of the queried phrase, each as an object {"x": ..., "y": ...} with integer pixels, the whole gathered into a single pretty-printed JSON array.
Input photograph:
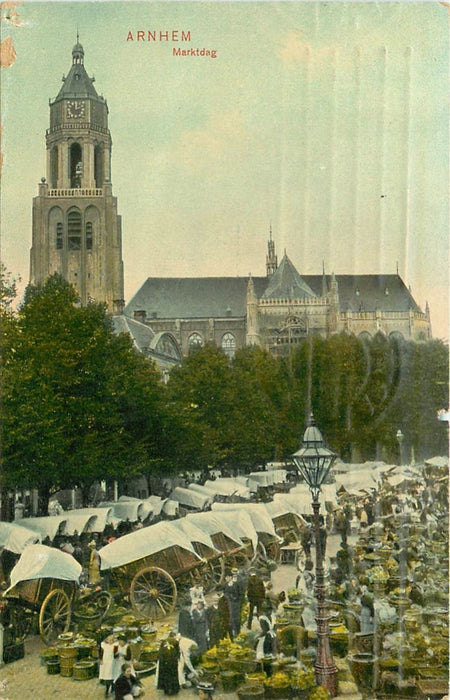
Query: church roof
[
  {"x": 286, "y": 283},
  {"x": 368, "y": 292},
  {"x": 194, "y": 297},
  {"x": 219, "y": 297},
  {"x": 141, "y": 334},
  {"x": 77, "y": 83}
]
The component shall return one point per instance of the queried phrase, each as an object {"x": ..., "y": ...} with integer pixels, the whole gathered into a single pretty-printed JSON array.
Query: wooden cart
[
  {"x": 150, "y": 565},
  {"x": 44, "y": 582}
]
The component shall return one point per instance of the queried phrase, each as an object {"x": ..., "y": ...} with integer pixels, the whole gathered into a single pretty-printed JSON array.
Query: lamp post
[
  {"x": 313, "y": 460},
  {"x": 400, "y": 438}
]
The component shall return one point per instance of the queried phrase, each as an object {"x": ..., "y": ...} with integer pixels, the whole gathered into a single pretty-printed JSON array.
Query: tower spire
[{"x": 271, "y": 258}]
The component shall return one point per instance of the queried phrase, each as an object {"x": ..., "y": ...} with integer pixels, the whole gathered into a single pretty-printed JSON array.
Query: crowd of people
[{"x": 243, "y": 598}]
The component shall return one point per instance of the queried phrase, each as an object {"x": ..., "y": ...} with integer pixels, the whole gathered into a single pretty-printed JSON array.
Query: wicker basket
[
  {"x": 276, "y": 693},
  {"x": 83, "y": 670},
  {"x": 230, "y": 681},
  {"x": 53, "y": 667},
  {"x": 250, "y": 691}
]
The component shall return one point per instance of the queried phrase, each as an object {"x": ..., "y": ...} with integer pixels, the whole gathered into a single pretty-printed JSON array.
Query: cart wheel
[
  {"x": 153, "y": 593},
  {"x": 21, "y": 621},
  {"x": 273, "y": 551},
  {"x": 214, "y": 572},
  {"x": 103, "y": 601},
  {"x": 54, "y": 618}
]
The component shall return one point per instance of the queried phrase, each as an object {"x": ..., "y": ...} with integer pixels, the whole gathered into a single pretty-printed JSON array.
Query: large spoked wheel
[
  {"x": 213, "y": 573},
  {"x": 273, "y": 551},
  {"x": 153, "y": 593},
  {"x": 54, "y": 618}
]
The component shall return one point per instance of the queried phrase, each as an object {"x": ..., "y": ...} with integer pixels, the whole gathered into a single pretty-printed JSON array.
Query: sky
[{"x": 326, "y": 121}]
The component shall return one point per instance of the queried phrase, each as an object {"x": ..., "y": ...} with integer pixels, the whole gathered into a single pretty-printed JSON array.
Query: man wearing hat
[
  {"x": 233, "y": 594},
  {"x": 205, "y": 691},
  {"x": 256, "y": 593},
  {"x": 94, "y": 563}
]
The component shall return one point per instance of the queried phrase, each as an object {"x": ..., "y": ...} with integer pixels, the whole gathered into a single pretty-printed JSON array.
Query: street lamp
[
  {"x": 400, "y": 438},
  {"x": 313, "y": 460}
]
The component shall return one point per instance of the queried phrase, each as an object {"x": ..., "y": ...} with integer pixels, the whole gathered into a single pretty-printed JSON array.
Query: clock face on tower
[{"x": 75, "y": 109}]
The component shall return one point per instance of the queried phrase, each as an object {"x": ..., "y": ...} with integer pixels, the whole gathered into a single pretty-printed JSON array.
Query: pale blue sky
[{"x": 329, "y": 120}]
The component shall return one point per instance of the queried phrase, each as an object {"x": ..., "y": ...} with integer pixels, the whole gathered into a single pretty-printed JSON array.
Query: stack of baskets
[{"x": 72, "y": 657}]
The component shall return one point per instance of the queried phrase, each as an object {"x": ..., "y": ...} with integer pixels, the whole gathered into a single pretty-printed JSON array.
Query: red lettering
[
  {"x": 130, "y": 36},
  {"x": 141, "y": 36}
]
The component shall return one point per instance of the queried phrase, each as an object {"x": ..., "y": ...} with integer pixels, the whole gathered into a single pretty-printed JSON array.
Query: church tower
[{"x": 76, "y": 228}]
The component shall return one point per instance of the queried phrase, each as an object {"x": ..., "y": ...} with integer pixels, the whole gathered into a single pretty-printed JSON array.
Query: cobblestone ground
[{"x": 27, "y": 679}]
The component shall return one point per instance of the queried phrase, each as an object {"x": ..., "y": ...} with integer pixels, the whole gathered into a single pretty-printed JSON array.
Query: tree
[{"x": 79, "y": 404}]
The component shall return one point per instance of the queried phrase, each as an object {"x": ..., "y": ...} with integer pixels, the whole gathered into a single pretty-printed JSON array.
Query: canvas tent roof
[
  {"x": 39, "y": 561},
  {"x": 15, "y": 538},
  {"x": 213, "y": 524},
  {"x": 47, "y": 526},
  {"x": 262, "y": 522},
  {"x": 143, "y": 543},
  {"x": 192, "y": 499},
  {"x": 192, "y": 532}
]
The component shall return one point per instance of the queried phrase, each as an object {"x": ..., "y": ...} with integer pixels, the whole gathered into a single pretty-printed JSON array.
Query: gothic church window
[
  {"x": 229, "y": 344},
  {"x": 89, "y": 235},
  {"x": 195, "y": 341},
  {"x": 74, "y": 230},
  {"x": 59, "y": 236}
]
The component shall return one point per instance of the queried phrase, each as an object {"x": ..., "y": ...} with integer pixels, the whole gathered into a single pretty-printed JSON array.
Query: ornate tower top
[
  {"x": 271, "y": 258},
  {"x": 77, "y": 83}
]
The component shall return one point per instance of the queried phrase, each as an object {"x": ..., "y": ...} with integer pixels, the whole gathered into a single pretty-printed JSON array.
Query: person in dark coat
[
  {"x": 233, "y": 594},
  {"x": 168, "y": 656},
  {"x": 200, "y": 624},
  {"x": 214, "y": 625},
  {"x": 223, "y": 609},
  {"x": 127, "y": 685},
  {"x": 185, "y": 624},
  {"x": 256, "y": 593}
]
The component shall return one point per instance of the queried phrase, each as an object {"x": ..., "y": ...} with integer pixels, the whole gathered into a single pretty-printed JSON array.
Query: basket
[
  {"x": 50, "y": 654},
  {"x": 68, "y": 652},
  {"x": 230, "y": 680},
  {"x": 83, "y": 670},
  {"x": 275, "y": 693},
  {"x": 250, "y": 692},
  {"x": 53, "y": 667}
]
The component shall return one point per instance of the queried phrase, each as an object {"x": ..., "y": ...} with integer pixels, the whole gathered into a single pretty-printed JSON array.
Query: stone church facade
[
  {"x": 277, "y": 311},
  {"x": 77, "y": 233}
]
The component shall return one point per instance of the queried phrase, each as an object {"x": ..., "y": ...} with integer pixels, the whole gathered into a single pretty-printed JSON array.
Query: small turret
[{"x": 271, "y": 258}]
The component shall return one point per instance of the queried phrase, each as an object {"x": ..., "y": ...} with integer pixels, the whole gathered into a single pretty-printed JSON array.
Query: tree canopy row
[{"x": 80, "y": 404}]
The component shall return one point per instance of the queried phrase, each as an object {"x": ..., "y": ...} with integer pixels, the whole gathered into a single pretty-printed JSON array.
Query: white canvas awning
[
  {"x": 103, "y": 517},
  {"x": 15, "y": 538},
  {"x": 192, "y": 532},
  {"x": 157, "y": 504},
  {"x": 47, "y": 526},
  {"x": 124, "y": 510},
  {"x": 213, "y": 524},
  {"x": 143, "y": 543},
  {"x": 204, "y": 490},
  {"x": 262, "y": 522},
  {"x": 237, "y": 522},
  {"x": 145, "y": 506},
  {"x": 39, "y": 561},
  {"x": 191, "y": 499}
]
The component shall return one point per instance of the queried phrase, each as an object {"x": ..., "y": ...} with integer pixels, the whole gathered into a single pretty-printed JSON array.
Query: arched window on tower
[
  {"x": 59, "y": 236},
  {"x": 229, "y": 345},
  {"x": 89, "y": 235},
  {"x": 54, "y": 167},
  {"x": 74, "y": 230},
  {"x": 76, "y": 165},
  {"x": 195, "y": 342},
  {"x": 98, "y": 166}
]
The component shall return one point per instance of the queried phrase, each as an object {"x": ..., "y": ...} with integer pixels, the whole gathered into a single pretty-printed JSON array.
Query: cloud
[
  {"x": 222, "y": 136},
  {"x": 294, "y": 49}
]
